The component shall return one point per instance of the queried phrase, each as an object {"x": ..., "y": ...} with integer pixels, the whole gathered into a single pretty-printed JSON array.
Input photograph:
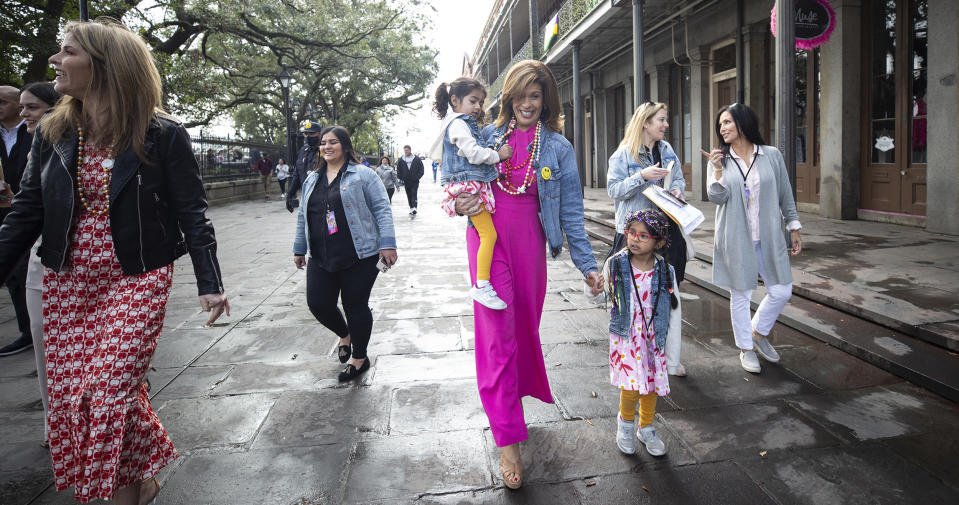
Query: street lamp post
[{"x": 284, "y": 79}]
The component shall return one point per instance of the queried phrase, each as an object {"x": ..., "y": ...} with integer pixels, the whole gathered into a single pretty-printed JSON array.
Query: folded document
[{"x": 686, "y": 215}]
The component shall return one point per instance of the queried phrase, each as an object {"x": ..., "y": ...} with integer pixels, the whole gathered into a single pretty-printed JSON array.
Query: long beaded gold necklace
[
  {"x": 106, "y": 165},
  {"x": 506, "y": 168}
]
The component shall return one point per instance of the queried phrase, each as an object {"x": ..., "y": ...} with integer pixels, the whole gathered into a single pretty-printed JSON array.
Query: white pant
[{"x": 769, "y": 309}]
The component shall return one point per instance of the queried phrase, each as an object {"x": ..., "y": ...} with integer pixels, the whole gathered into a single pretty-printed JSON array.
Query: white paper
[{"x": 687, "y": 216}]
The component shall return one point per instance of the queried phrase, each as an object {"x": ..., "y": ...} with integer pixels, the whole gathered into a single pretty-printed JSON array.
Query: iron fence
[{"x": 224, "y": 159}]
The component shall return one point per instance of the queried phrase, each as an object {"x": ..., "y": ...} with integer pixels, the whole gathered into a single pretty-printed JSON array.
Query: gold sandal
[{"x": 512, "y": 477}]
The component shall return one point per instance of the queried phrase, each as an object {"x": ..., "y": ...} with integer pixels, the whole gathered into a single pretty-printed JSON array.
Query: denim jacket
[
  {"x": 457, "y": 168},
  {"x": 560, "y": 197},
  {"x": 367, "y": 208},
  {"x": 619, "y": 289},
  {"x": 625, "y": 185}
]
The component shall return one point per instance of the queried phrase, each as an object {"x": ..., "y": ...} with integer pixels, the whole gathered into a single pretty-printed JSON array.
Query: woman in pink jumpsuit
[{"x": 538, "y": 203}]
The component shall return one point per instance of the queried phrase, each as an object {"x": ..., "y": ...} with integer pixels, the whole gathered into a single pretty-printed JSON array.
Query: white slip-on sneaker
[
  {"x": 765, "y": 349},
  {"x": 624, "y": 435},
  {"x": 678, "y": 370},
  {"x": 749, "y": 361},
  {"x": 651, "y": 440},
  {"x": 487, "y": 297}
]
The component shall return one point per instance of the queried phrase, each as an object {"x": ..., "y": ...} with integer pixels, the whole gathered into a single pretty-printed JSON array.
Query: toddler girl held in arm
[
  {"x": 468, "y": 168},
  {"x": 645, "y": 322}
]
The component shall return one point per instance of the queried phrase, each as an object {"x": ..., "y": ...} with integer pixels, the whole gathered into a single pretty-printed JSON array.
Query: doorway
[{"x": 894, "y": 123}]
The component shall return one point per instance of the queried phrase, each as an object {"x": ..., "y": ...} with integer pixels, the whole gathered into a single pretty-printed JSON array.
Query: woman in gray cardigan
[{"x": 749, "y": 182}]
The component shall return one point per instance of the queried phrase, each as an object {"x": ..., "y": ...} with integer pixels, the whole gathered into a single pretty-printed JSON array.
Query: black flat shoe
[
  {"x": 351, "y": 372},
  {"x": 344, "y": 352}
]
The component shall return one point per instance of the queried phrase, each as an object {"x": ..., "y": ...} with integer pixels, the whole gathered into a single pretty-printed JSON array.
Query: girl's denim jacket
[
  {"x": 367, "y": 208},
  {"x": 560, "y": 197},
  {"x": 456, "y": 168},
  {"x": 625, "y": 185},
  {"x": 619, "y": 290}
]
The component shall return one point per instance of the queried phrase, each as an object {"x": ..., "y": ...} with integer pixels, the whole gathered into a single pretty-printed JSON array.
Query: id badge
[
  {"x": 747, "y": 197},
  {"x": 330, "y": 221}
]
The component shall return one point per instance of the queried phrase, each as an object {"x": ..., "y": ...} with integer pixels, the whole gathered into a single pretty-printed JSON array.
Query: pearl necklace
[
  {"x": 106, "y": 164},
  {"x": 506, "y": 168}
]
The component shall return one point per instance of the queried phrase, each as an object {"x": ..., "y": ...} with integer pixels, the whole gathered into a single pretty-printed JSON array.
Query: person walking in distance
[
  {"x": 410, "y": 171},
  {"x": 388, "y": 175},
  {"x": 306, "y": 161},
  {"x": 282, "y": 173},
  {"x": 265, "y": 167},
  {"x": 14, "y": 146}
]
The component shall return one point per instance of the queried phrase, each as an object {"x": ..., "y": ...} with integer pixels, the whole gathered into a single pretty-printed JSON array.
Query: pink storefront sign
[{"x": 815, "y": 21}]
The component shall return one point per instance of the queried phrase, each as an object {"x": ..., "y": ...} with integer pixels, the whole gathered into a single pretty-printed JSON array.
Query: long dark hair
[
  {"x": 44, "y": 91},
  {"x": 388, "y": 160},
  {"x": 343, "y": 135},
  {"x": 460, "y": 88},
  {"x": 747, "y": 125}
]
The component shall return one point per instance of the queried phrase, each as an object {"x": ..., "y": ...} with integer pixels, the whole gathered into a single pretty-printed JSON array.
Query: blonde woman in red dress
[{"x": 113, "y": 190}]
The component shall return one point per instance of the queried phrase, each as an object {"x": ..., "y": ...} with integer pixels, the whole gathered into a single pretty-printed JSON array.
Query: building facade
[{"x": 875, "y": 106}]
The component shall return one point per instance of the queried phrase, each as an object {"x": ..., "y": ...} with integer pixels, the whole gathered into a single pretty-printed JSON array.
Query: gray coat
[{"x": 734, "y": 256}]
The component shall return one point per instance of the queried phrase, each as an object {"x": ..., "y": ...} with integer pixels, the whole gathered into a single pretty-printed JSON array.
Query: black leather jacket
[{"x": 152, "y": 207}]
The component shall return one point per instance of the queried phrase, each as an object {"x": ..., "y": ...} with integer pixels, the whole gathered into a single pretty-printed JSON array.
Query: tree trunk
[{"x": 47, "y": 38}]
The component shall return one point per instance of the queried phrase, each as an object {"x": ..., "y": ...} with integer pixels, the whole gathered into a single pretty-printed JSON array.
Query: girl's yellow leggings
[
  {"x": 627, "y": 406},
  {"x": 483, "y": 222}
]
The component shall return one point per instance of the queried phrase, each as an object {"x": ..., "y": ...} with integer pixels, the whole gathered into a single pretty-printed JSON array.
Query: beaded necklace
[
  {"x": 106, "y": 164},
  {"x": 506, "y": 168}
]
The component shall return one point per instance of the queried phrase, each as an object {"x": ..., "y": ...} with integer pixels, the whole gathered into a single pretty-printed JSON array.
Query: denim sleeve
[
  {"x": 619, "y": 185},
  {"x": 571, "y": 213},
  {"x": 299, "y": 240},
  {"x": 379, "y": 205}
]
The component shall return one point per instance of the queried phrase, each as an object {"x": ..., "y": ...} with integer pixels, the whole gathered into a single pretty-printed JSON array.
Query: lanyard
[
  {"x": 750, "y": 169},
  {"x": 646, "y": 323}
]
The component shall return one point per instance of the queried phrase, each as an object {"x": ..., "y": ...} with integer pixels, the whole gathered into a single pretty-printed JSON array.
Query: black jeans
[
  {"x": 389, "y": 193},
  {"x": 411, "y": 188},
  {"x": 353, "y": 286},
  {"x": 282, "y": 183},
  {"x": 17, "y": 286}
]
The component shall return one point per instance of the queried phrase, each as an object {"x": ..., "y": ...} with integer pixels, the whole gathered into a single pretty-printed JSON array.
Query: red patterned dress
[{"x": 100, "y": 329}]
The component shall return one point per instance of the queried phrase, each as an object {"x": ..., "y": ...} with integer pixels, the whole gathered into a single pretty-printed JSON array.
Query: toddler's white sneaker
[
  {"x": 651, "y": 440},
  {"x": 487, "y": 297},
  {"x": 624, "y": 435}
]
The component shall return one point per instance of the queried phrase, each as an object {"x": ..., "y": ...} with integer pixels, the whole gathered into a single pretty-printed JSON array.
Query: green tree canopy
[{"x": 351, "y": 60}]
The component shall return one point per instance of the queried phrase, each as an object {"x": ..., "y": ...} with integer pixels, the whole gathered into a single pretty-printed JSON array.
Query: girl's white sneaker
[
  {"x": 624, "y": 435},
  {"x": 651, "y": 440},
  {"x": 487, "y": 297}
]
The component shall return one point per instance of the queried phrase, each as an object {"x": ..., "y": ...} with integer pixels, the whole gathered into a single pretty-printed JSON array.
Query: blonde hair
[
  {"x": 518, "y": 79},
  {"x": 123, "y": 79},
  {"x": 633, "y": 138}
]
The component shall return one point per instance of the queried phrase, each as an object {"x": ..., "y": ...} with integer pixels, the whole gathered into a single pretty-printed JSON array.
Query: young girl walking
[
  {"x": 468, "y": 167},
  {"x": 645, "y": 322}
]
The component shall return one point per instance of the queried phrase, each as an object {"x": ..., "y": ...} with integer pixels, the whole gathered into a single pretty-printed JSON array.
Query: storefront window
[
  {"x": 883, "y": 83},
  {"x": 919, "y": 49}
]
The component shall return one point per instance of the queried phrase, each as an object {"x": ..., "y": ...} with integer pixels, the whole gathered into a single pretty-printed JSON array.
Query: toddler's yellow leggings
[
  {"x": 483, "y": 222},
  {"x": 627, "y": 406}
]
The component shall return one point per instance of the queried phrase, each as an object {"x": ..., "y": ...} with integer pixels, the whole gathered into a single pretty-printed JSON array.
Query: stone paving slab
[
  {"x": 736, "y": 431},
  {"x": 330, "y": 416},
  {"x": 863, "y": 474},
  {"x": 407, "y": 466},
  {"x": 214, "y": 422},
  {"x": 270, "y": 344}
]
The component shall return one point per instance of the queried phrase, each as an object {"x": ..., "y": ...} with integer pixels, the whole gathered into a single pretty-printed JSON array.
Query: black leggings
[
  {"x": 389, "y": 193},
  {"x": 353, "y": 285}
]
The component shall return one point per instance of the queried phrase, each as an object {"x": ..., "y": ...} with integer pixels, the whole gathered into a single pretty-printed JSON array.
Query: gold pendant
[{"x": 547, "y": 173}]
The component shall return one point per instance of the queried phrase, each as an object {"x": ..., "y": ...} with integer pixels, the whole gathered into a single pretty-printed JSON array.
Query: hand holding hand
[
  {"x": 505, "y": 152},
  {"x": 595, "y": 282},
  {"x": 654, "y": 173},
  {"x": 796, "y": 242},
  {"x": 299, "y": 261},
  {"x": 468, "y": 205},
  {"x": 216, "y": 304}
]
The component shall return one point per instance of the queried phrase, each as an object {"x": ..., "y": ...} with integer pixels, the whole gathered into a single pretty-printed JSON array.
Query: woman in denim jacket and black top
[
  {"x": 539, "y": 201},
  {"x": 643, "y": 159},
  {"x": 345, "y": 224}
]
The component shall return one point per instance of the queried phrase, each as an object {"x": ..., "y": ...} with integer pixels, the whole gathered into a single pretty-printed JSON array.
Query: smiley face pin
[{"x": 547, "y": 173}]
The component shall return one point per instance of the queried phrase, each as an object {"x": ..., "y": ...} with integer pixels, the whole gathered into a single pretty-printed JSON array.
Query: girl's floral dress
[{"x": 634, "y": 363}]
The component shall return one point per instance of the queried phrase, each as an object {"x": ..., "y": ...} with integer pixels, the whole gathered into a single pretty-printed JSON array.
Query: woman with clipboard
[{"x": 639, "y": 163}]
